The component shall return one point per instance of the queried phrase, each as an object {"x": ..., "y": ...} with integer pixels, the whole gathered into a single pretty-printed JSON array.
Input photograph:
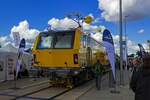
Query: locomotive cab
[
  {"x": 57, "y": 50},
  {"x": 68, "y": 55}
]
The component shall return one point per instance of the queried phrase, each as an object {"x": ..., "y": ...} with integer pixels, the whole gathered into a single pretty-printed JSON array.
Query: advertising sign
[
  {"x": 109, "y": 45},
  {"x": 10, "y": 67}
]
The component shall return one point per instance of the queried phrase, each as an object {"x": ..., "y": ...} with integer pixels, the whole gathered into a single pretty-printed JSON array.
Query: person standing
[
  {"x": 140, "y": 80},
  {"x": 98, "y": 74}
]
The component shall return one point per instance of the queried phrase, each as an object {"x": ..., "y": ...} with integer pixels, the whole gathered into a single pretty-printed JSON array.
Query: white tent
[{"x": 8, "y": 59}]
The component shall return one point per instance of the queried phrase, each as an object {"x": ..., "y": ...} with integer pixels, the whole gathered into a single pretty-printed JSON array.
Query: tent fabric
[
  {"x": 10, "y": 52},
  {"x": 8, "y": 48}
]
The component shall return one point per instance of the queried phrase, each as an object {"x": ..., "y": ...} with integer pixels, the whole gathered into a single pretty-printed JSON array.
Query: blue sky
[{"x": 39, "y": 12}]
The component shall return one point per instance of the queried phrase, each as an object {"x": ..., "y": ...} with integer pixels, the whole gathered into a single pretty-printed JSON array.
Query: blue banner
[
  {"x": 20, "y": 53},
  {"x": 22, "y": 43},
  {"x": 109, "y": 46},
  {"x": 107, "y": 37},
  {"x": 142, "y": 51}
]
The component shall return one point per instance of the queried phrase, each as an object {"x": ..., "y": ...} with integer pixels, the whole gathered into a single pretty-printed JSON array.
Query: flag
[
  {"x": 109, "y": 45},
  {"x": 16, "y": 37},
  {"x": 124, "y": 51},
  {"x": 20, "y": 53},
  {"x": 142, "y": 51}
]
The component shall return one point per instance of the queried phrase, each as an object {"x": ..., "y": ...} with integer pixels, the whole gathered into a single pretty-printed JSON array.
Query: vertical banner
[
  {"x": 109, "y": 45},
  {"x": 124, "y": 51},
  {"x": 20, "y": 53},
  {"x": 16, "y": 37},
  {"x": 142, "y": 51}
]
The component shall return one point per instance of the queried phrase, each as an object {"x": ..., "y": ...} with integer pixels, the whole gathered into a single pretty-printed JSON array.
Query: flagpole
[
  {"x": 15, "y": 76},
  {"x": 121, "y": 47},
  {"x": 125, "y": 22}
]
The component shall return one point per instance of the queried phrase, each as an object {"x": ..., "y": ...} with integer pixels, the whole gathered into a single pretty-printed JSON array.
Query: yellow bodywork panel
[
  {"x": 35, "y": 43},
  {"x": 77, "y": 39},
  {"x": 56, "y": 58},
  {"x": 64, "y": 58}
]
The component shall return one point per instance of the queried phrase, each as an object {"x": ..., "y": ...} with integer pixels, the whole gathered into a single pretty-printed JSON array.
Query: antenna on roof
[
  {"x": 75, "y": 17},
  {"x": 78, "y": 18}
]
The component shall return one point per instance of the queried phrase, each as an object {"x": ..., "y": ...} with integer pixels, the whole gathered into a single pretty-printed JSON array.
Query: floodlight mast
[{"x": 121, "y": 46}]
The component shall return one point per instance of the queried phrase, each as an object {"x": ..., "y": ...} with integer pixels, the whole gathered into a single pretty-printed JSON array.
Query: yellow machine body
[
  {"x": 68, "y": 55},
  {"x": 83, "y": 48}
]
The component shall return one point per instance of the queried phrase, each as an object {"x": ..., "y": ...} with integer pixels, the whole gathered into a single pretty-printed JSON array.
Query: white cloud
[
  {"x": 135, "y": 9},
  {"x": 131, "y": 45},
  {"x": 3, "y": 40},
  {"x": 29, "y": 34},
  {"x": 116, "y": 38},
  {"x": 97, "y": 36},
  {"x": 59, "y": 24},
  {"x": 145, "y": 46},
  {"x": 66, "y": 23},
  {"x": 89, "y": 28},
  {"x": 97, "y": 32},
  {"x": 24, "y": 31},
  {"x": 141, "y": 31}
]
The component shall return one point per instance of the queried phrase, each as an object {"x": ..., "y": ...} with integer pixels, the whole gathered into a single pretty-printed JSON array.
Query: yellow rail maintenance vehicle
[{"x": 69, "y": 55}]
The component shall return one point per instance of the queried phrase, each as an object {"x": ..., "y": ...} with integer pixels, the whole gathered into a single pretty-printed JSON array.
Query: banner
[
  {"x": 124, "y": 51},
  {"x": 142, "y": 51},
  {"x": 20, "y": 53},
  {"x": 16, "y": 37},
  {"x": 10, "y": 67},
  {"x": 109, "y": 45}
]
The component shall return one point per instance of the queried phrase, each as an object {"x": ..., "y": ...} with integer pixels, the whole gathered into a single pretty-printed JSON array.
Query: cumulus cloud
[
  {"x": 3, "y": 40},
  {"x": 131, "y": 45},
  {"x": 145, "y": 46},
  {"x": 97, "y": 36},
  {"x": 141, "y": 31},
  {"x": 24, "y": 31},
  {"x": 135, "y": 9},
  {"x": 66, "y": 23},
  {"x": 59, "y": 24}
]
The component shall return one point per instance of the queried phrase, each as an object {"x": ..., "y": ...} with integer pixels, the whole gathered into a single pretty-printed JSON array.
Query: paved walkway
[
  {"x": 105, "y": 94},
  {"x": 21, "y": 83}
]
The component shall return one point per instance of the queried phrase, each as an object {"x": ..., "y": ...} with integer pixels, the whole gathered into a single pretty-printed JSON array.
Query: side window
[
  {"x": 83, "y": 41},
  {"x": 63, "y": 41},
  {"x": 89, "y": 56}
]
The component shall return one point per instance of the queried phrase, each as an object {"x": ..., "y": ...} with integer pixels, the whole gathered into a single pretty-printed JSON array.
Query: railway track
[
  {"x": 26, "y": 90},
  {"x": 38, "y": 92},
  {"x": 43, "y": 91}
]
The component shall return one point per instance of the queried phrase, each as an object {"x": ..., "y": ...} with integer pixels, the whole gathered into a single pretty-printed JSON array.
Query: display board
[{"x": 10, "y": 67}]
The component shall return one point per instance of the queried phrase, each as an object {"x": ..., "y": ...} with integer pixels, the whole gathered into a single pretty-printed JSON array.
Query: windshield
[
  {"x": 45, "y": 41},
  {"x": 56, "y": 40},
  {"x": 63, "y": 40}
]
